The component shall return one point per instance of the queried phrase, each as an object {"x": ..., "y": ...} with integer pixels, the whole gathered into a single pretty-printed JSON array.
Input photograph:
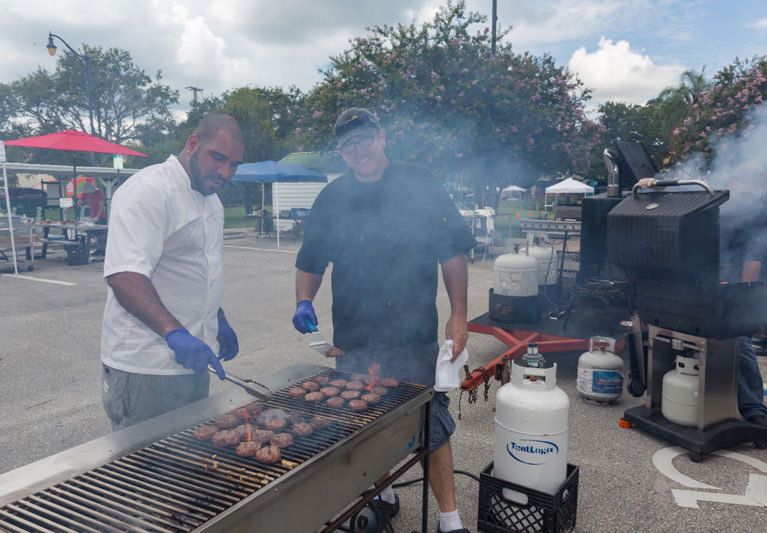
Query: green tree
[
  {"x": 724, "y": 109},
  {"x": 128, "y": 104},
  {"x": 447, "y": 102},
  {"x": 634, "y": 123},
  {"x": 268, "y": 118}
]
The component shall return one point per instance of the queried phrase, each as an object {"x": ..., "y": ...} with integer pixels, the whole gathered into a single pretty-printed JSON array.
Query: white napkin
[{"x": 446, "y": 377}]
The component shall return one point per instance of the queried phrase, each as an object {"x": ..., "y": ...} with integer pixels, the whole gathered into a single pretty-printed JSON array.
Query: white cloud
[
  {"x": 615, "y": 72},
  {"x": 760, "y": 24}
]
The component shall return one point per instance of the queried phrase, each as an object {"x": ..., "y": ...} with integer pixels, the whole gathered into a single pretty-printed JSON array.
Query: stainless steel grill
[{"x": 157, "y": 476}]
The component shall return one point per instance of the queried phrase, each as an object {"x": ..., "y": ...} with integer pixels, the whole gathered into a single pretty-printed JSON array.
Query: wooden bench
[{"x": 78, "y": 251}]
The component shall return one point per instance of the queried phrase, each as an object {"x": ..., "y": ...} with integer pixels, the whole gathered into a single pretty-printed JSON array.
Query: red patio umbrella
[{"x": 74, "y": 141}]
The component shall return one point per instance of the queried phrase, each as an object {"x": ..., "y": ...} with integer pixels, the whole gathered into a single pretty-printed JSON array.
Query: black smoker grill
[
  {"x": 156, "y": 476},
  {"x": 668, "y": 245}
]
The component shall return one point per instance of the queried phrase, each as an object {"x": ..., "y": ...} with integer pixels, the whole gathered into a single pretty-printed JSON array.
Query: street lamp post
[{"x": 82, "y": 57}]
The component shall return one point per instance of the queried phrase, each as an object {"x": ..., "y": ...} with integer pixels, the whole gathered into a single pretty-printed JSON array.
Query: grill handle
[{"x": 671, "y": 183}]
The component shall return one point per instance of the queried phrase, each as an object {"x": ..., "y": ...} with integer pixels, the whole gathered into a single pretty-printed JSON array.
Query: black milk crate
[{"x": 543, "y": 513}]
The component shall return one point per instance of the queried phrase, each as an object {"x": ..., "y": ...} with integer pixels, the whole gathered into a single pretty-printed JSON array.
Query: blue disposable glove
[
  {"x": 227, "y": 340},
  {"x": 304, "y": 314},
  {"x": 192, "y": 353}
]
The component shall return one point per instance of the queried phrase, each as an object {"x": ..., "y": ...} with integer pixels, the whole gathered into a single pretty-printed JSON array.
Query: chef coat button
[
  {"x": 388, "y": 304},
  {"x": 362, "y": 237}
]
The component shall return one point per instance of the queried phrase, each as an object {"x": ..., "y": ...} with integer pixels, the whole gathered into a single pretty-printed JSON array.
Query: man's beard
[{"x": 197, "y": 179}]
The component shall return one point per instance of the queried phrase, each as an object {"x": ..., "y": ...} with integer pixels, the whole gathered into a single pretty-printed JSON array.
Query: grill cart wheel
[{"x": 696, "y": 457}]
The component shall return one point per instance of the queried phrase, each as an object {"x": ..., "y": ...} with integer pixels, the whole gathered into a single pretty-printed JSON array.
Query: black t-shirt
[
  {"x": 385, "y": 240},
  {"x": 743, "y": 238}
]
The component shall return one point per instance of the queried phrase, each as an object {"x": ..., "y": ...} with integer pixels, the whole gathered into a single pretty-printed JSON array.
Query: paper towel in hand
[{"x": 446, "y": 376}]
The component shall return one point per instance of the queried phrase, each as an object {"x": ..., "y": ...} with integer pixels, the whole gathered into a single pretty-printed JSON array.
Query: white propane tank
[
  {"x": 547, "y": 263},
  {"x": 531, "y": 422},
  {"x": 679, "y": 402},
  {"x": 515, "y": 275},
  {"x": 600, "y": 371}
]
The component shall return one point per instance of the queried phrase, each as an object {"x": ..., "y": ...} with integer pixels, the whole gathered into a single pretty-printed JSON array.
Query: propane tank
[
  {"x": 600, "y": 371},
  {"x": 514, "y": 296},
  {"x": 515, "y": 275},
  {"x": 531, "y": 427},
  {"x": 679, "y": 402},
  {"x": 547, "y": 265}
]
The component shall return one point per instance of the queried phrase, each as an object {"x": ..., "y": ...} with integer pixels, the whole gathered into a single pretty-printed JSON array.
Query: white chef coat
[{"x": 162, "y": 228}]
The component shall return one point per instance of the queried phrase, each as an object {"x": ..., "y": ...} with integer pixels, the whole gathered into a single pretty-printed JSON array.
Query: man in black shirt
[
  {"x": 385, "y": 226},
  {"x": 744, "y": 235}
]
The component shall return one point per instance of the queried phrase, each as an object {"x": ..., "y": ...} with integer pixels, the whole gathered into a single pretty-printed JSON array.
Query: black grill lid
[{"x": 667, "y": 235}]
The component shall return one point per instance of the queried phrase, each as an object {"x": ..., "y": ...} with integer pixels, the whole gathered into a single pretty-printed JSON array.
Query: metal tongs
[{"x": 248, "y": 384}]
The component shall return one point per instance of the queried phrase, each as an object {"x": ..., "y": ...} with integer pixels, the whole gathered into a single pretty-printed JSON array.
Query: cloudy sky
[{"x": 624, "y": 50}]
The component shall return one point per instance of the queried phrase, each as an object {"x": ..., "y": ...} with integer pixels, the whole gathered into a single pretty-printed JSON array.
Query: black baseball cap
[{"x": 354, "y": 121}]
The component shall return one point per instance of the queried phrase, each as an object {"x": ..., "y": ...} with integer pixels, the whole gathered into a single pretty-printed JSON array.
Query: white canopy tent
[
  {"x": 512, "y": 191},
  {"x": 567, "y": 186},
  {"x": 570, "y": 186}
]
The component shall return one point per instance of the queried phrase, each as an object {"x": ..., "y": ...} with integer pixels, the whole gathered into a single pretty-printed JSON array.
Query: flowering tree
[
  {"x": 446, "y": 101},
  {"x": 723, "y": 110}
]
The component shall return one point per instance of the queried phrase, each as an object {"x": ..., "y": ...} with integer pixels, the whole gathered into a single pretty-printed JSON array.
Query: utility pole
[
  {"x": 194, "y": 90},
  {"x": 495, "y": 18}
]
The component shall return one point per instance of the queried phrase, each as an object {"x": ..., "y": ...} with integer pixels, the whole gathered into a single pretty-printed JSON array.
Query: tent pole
[
  {"x": 276, "y": 208},
  {"x": 10, "y": 218}
]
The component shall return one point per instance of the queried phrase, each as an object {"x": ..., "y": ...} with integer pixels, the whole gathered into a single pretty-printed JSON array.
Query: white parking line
[
  {"x": 54, "y": 281},
  {"x": 261, "y": 249}
]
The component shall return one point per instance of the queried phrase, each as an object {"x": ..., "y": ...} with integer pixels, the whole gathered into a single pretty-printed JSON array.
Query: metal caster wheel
[
  {"x": 696, "y": 457},
  {"x": 30, "y": 268},
  {"x": 635, "y": 388},
  {"x": 761, "y": 445}
]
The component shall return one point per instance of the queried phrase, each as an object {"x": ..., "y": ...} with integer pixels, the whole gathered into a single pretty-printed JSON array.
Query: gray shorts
[
  {"x": 132, "y": 398},
  {"x": 415, "y": 364}
]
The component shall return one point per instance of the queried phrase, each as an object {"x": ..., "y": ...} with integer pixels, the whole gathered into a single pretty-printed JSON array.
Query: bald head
[
  {"x": 215, "y": 122},
  {"x": 212, "y": 153}
]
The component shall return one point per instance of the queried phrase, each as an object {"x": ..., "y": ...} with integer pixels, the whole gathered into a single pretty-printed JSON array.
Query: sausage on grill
[
  {"x": 282, "y": 440},
  {"x": 205, "y": 432},
  {"x": 243, "y": 430},
  {"x": 261, "y": 435},
  {"x": 226, "y": 437},
  {"x": 310, "y": 385},
  {"x": 302, "y": 429},
  {"x": 350, "y": 394},
  {"x": 297, "y": 392},
  {"x": 358, "y": 405},
  {"x": 381, "y": 391},
  {"x": 314, "y": 397},
  {"x": 248, "y": 448},
  {"x": 355, "y": 385},
  {"x": 255, "y": 408},
  {"x": 390, "y": 382},
  {"x": 226, "y": 421},
  {"x": 318, "y": 422},
  {"x": 322, "y": 380},
  {"x": 276, "y": 424},
  {"x": 339, "y": 383},
  {"x": 269, "y": 454},
  {"x": 335, "y": 402},
  {"x": 330, "y": 391},
  {"x": 370, "y": 398}
]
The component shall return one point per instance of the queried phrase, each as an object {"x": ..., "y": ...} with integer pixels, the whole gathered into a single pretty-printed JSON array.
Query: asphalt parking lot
[{"x": 50, "y": 400}]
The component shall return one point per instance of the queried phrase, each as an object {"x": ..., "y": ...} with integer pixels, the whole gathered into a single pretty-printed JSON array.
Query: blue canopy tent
[{"x": 271, "y": 172}]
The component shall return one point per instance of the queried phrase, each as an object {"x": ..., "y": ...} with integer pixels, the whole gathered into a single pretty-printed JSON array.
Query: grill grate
[{"x": 178, "y": 483}]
